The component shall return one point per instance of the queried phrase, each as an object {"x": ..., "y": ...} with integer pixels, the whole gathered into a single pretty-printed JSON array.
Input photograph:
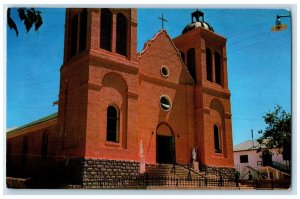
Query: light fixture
[{"x": 278, "y": 26}]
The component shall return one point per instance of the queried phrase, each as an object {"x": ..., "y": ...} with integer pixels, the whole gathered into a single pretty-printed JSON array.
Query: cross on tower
[{"x": 162, "y": 20}]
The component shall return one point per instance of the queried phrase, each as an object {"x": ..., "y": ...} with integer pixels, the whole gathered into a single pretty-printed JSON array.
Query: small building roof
[
  {"x": 41, "y": 120},
  {"x": 12, "y": 128},
  {"x": 247, "y": 145}
]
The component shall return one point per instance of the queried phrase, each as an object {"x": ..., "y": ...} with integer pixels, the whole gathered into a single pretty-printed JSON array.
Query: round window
[
  {"x": 164, "y": 71},
  {"x": 165, "y": 103}
]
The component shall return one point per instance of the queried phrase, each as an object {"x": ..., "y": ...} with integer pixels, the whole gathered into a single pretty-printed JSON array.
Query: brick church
[{"x": 170, "y": 98}]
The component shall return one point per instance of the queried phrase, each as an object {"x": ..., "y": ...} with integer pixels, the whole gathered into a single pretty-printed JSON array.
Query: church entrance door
[{"x": 165, "y": 149}]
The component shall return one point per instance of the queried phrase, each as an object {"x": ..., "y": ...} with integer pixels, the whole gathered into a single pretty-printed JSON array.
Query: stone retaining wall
[
  {"x": 16, "y": 183},
  {"x": 229, "y": 172},
  {"x": 80, "y": 172},
  {"x": 106, "y": 173}
]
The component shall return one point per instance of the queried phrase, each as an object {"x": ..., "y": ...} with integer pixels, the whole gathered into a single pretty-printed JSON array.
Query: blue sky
[{"x": 259, "y": 62}]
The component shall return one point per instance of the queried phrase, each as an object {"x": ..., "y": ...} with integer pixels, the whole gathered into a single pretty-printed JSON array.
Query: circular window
[
  {"x": 164, "y": 70},
  {"x": 165, "y": 103}
]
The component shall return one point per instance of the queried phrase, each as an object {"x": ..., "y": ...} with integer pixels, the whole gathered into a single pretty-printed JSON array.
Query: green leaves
[
  {"x": 39, "y": 20},
  {"x": 278, "y": 131},
  {"x": 22, "y": 13},
  {"x": 29, "y": 16},
  {"x": 11, "y": 23}
]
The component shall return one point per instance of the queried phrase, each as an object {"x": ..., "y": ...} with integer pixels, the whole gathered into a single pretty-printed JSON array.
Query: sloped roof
[
  {"x": 247, "y": 145},
  {"x": 148, "y": 44},
  {"x": 41, "y": 120},
  {"x": 153, "y": 39},
  {"x": 12, "y": 128}
]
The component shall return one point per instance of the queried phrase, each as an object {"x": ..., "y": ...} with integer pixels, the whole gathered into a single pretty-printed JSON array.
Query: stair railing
[
  {"x": 257, "y": 172},
  {"x": 281, "y": 167},
  {"x": 190, "y": 171}
]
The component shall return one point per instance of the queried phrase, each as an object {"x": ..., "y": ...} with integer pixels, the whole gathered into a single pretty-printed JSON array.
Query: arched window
[
  {"x": 121, "y": 34},
  {"x": 208, "y": 65},
  {"x": 112, "y": 124},
  {"x": 191, "y": 63},
  {"x": 182, "y": 56},
  {"x": 74, "y": 32},
  {"x": 217, "y": 139},
  {"x": 25, "y": 151},
  {"x": 44, "y": 146},
  {"x": 83, "y": 30},
  {"x": 105, "y": 29},
  {"x": 218, "y": 69}
]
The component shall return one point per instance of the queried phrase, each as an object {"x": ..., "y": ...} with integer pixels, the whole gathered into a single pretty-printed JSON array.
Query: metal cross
[{"x": 162, "y": 20}]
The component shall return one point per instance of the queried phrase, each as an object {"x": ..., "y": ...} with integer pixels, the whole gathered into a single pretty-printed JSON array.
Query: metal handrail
[
  {"x": 190, "y": 170},
  {"x": 259, "y": 173},
  {"x": 281, "y": 167},
  {"x": 245, "y": 174}
]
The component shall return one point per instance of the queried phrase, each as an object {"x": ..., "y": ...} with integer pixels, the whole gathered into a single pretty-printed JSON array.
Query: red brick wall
[
  {"x": 111, "y": 88},
  {"x": 34, "y": 164},
  {"x": 82, "y": 120},
  {"x": 160, "y": 51},
  {"x": 206, "y": 94},
  {"x": 112, "y": 80},
  {"x": 73, "y": 108}
]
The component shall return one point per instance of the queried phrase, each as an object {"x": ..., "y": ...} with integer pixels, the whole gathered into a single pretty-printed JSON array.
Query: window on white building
[{"x": 244, "y": 159}]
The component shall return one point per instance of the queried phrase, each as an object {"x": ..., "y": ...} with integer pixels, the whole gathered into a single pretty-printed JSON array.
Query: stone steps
[
  {"x": 180, "y": 172},
  {"x": 180, "y": 178},
  {"x": 167, "y": 170}
]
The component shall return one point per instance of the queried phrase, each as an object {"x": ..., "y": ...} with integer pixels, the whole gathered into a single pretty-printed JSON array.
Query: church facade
[{"x": 170, "y": 98}]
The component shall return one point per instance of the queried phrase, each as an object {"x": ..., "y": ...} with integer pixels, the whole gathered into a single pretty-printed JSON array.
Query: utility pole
[{"x": 252, "y": 138}]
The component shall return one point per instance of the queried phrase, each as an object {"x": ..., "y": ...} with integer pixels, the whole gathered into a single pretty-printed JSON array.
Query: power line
[
  {"x": 253, "y": 27},
  {"x": 211, "y": 15},
  {"x": 247, "y": 38},
  {"x": 257, "y": 43}
]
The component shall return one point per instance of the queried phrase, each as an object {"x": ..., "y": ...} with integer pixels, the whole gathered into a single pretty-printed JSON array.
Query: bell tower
[
  {"x": 204, "y": 53},
  {"x": 99, "y": 61}
]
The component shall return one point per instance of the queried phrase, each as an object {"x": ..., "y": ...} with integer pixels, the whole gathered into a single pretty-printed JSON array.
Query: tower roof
[{"x": 199, "y": 22}]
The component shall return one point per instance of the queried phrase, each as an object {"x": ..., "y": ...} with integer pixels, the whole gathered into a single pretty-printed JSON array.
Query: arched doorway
[{"x": 165, "y": 144}]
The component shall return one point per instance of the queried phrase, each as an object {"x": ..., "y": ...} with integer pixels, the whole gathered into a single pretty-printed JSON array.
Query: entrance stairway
[
  {"x": 181, "y": 176},
  {"x": 164, "y": 170}
]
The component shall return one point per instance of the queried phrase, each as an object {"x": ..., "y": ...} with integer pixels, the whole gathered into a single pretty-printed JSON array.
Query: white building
[{"x": 249, "y": 162}]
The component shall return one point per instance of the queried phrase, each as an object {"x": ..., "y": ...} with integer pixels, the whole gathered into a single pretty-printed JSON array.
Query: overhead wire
[
  {"x": 253, "y": 27},
  {"x": 239, "y": 30},
  {"x": 252, "y": 37},
  {"x": 257, "y": 43}
]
